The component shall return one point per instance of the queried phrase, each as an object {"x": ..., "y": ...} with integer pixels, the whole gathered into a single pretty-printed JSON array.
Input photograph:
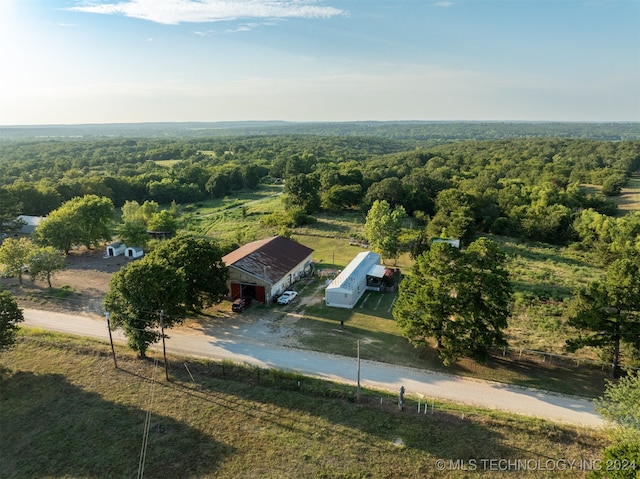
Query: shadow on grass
[
  {"x": 52, "y": 428},
  {"x": 446, "y": 433}
]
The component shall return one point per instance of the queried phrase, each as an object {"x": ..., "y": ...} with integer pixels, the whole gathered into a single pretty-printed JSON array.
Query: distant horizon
[
  {"x": 77, "y": 62},
  {"x": 302, "y": 122}
]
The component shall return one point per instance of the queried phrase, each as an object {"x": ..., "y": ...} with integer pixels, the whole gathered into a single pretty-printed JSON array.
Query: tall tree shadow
[{"x": 52, "y": 428}]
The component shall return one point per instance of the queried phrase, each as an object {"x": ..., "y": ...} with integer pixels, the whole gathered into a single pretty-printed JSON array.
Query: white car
[{"x": 287, "y": 297}]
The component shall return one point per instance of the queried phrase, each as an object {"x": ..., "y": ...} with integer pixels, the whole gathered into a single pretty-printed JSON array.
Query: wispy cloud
[
  {"x": 173, "y": 12},
  {"x": 443, "y": 4}
]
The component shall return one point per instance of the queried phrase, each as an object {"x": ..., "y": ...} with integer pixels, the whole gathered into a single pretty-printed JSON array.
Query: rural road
[{"x": 431, "y": 385}]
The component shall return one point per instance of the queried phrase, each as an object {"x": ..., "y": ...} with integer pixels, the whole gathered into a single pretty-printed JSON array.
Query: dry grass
[{"x": 66, "y": 412}]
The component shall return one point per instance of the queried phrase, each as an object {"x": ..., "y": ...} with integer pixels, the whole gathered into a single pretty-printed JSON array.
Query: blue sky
[{"x": 67, "y": 61}]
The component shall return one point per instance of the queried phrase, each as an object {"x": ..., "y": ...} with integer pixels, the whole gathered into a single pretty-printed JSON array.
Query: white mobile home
[{"x": 347, "y": 288}]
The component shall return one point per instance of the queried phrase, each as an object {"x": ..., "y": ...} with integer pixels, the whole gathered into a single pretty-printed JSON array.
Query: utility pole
[
  {"x": 113, "y": 351},
  {"x": 358, "y": 390},
  {"x": 164, "y": 348}
]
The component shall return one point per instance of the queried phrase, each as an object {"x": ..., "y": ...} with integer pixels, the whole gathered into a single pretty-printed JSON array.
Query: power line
[{"x": 147, "y": 423}]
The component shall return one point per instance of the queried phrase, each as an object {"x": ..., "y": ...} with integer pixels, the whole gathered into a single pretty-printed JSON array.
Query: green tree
[
  {"x": 133, "y": 234},
  {"x": 45, "y": 262},
  {"x": 141, "y": 296},
  {"x": 302, "y": 191},
  {"x": 80, "y": 221},
  {"x": 387, "y": 189},
  {"x": 607, "y": 313},
  {"x": 10, "y": 316},
  {"x": 10, "y": 209},
  {"x": 163, "y": 220},
  {"x": 14, "y": 254},
  {"x": 454, "y": 217},
  {"x": 200, "y": 261},
  {"x": 620, "y": 405},
  {"x": 383, "y": 227},
  {"x": 133, "y": 212},
  {"x": 459, "y": 298}
]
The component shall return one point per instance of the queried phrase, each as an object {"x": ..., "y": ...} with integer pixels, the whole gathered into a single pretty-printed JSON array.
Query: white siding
[{"x": 347, "y": 288}]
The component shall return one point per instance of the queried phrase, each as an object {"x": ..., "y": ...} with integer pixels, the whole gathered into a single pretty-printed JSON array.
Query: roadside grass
[
  {"x": 370, "y": 323},
  {"x": 67, "y": 412}
]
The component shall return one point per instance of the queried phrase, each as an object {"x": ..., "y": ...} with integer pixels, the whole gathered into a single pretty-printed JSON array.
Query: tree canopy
[
  {"x": 80, "y": 221},
  {"x": 606, "y": 313},
  {"x": 10, "y": 316},
  {"x": 200, "y": 261},
  {"x": 459, "y": 298},
  {"x": 143, "y": 294},
  {"x": 620, "y": 405},
  {"x": 382, "y": 228}
]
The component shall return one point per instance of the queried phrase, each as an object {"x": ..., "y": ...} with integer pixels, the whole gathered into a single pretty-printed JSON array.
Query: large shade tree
[
  {"x": 142, "y": 297},
  {"x": 14, "y": 254},
  {"x": 382, "y": 228},
  {"x": 606, "y": 313},
  {"x": 80, "y": 221},
  {"x": 459, "y": 298},
  {"x": 200, "y": 261}
]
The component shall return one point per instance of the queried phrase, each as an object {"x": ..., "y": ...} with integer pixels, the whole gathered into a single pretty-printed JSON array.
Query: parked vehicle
[
  {"x": 287, "y": 297},
  {"x": 240, "y": 304}
]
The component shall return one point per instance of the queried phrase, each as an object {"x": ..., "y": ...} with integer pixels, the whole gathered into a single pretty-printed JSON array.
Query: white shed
[
  {"x": 134, "y": 252},
  {"x": 346, "y": 289},
  {"x": 116, "y": 249}
]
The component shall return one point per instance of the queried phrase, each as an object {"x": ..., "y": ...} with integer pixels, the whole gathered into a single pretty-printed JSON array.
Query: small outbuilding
[
  {"x": 363, "y": 273},
  {"x": 266, "y": 268},
  {"x": 116, "y": 249},
  {"x": 133, "y": 252}
]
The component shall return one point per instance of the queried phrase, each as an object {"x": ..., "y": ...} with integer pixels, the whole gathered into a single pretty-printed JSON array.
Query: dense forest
[{"x": 525, "y": 183}]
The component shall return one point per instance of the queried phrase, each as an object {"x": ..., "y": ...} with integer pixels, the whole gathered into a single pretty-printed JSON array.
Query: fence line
[{"x": 551, "y": 356}]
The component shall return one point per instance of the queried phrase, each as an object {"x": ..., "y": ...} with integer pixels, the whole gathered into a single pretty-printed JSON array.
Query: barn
[
  {"x": 266, "y": 268},
  {"x": 362, "y": 273}
]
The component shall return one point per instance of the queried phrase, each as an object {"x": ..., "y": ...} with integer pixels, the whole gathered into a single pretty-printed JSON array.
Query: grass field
[
  {"x": 629, "y": 198},
  {"x": 67, "y": 412},
  {"x": 544, "y": 278}
]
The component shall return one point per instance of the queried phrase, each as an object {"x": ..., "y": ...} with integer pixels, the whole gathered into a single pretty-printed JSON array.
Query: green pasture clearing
[
  {"x": 544, "y": 278},
  {"x": 221, "y": 420},
  {"x": 629, "y": 198},
  {"x": 167, "y": 163},
  {"x": 235, "y": 218}
]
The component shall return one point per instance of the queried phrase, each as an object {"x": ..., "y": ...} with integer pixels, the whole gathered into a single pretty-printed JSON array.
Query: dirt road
[{"x": 428, "y": 385}]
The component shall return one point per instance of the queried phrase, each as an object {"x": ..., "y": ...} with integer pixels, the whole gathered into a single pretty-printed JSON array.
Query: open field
[
  {"x": 89, "y": 419},
  {"x": 629, "y": 198},
  {"x": 544, "y": 277}
]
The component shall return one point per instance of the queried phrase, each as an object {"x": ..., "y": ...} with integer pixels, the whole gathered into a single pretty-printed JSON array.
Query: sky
[{"x": 124, "y": 61}]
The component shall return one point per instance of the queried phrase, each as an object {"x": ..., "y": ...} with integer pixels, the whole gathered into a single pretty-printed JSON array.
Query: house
[
  {"x": 363, "y": 273},
  {"x": 263, "y": 269},
  {"x": 133, "y": 252},
  {"x": 116, "y": 249}
]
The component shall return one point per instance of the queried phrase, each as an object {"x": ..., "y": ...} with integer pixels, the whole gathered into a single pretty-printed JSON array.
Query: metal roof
[{"x": 268, "y": 259}]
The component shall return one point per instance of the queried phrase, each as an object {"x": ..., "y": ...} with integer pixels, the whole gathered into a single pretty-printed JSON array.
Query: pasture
[{"x": 220, "y": 420}]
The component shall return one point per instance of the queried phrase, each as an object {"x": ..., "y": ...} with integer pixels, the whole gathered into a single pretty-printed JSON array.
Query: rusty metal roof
[{"x": 268, "y": 259}]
